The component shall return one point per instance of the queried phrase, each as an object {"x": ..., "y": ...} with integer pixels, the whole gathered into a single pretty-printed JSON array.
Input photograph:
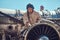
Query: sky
[{"x": 21, "y": 4}]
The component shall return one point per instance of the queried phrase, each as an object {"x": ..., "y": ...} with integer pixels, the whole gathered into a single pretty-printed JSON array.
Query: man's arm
[
  {"x": 25, "y": 20},
  {"x": 38, "y": 17}
]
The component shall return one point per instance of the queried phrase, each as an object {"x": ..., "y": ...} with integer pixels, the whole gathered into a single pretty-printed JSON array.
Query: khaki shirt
[{"x": 34, "y": 17}]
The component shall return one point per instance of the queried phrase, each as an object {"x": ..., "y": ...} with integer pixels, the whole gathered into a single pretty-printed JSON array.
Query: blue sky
[{"x": 21, "y": 4}]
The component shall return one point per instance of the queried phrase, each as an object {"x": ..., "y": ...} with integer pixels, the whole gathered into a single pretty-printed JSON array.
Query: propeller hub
[{"x": 43, "y": 38}]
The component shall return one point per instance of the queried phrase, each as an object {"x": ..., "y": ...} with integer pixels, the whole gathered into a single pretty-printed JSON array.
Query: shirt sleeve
[
  {"x": 38, "y": 17},
  {"x": 25, "y": 20}
]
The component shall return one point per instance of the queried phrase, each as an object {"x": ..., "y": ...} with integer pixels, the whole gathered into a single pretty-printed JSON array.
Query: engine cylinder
[{"x": 42, "y": 32}]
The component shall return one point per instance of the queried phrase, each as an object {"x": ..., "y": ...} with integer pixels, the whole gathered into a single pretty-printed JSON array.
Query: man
[{"x": 30, "y": 17}]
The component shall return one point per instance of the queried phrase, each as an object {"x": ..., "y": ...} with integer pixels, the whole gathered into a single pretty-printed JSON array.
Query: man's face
[{"x": 30, "y": 10}]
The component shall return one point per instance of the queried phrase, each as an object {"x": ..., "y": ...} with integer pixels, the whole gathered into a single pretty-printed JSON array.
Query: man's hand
[
  {"x": 28, "y": 24},
  {"x": 37, "y": 20}
]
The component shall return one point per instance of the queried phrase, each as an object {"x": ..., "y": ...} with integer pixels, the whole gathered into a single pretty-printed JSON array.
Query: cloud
[
  {"x": 10, "y": 11},
  {"x": 7, "y": 11},
  {"x": 13, "y": 11}
]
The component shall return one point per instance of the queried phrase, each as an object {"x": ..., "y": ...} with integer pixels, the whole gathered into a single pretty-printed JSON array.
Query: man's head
[{"x": 30, "y": 8}]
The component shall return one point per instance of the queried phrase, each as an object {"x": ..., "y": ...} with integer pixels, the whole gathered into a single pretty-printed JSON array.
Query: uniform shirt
[{"x": 34, "y": 18}]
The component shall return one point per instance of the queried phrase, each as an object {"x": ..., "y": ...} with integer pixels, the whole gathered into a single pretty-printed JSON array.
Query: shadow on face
[{"x": 30, "y": 10}]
